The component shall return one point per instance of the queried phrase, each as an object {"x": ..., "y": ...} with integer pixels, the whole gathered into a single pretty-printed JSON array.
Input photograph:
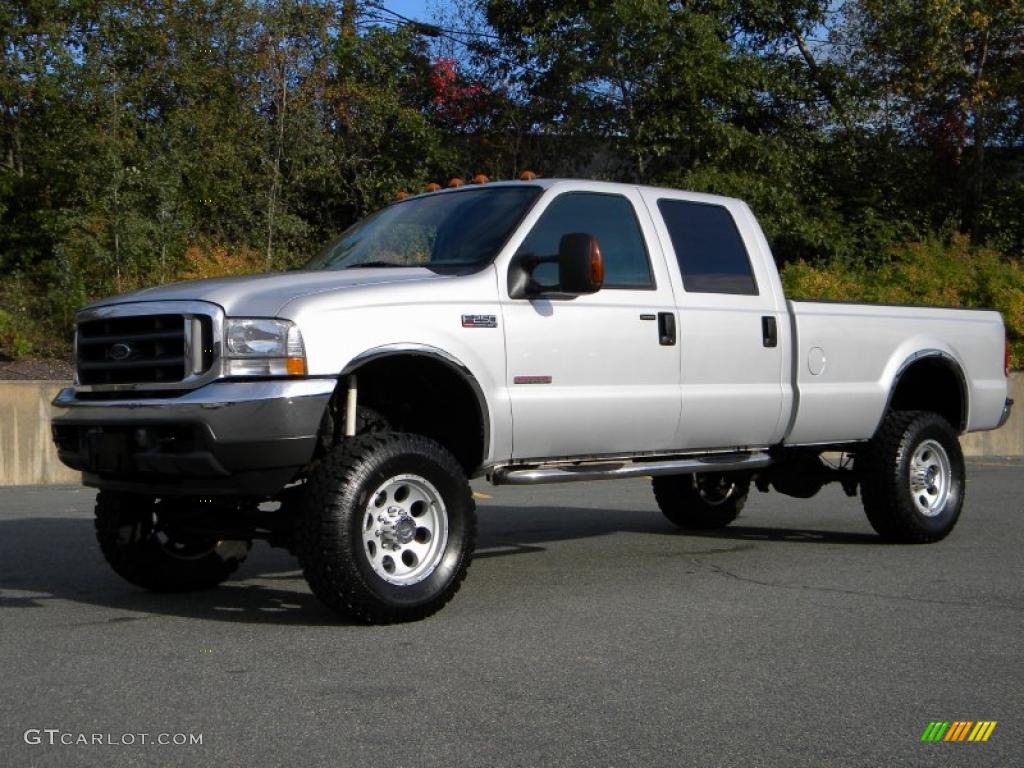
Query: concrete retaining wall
[
  {"x": 1007, "y": 441},
  {"x": 27, "y": 455}
]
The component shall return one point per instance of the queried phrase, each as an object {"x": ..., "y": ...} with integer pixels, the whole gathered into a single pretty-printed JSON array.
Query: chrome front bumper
[{"x": 228, "y": 437}]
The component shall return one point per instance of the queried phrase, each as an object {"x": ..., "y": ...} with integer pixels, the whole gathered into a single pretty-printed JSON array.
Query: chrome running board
[{"x": 621, "y": 468}]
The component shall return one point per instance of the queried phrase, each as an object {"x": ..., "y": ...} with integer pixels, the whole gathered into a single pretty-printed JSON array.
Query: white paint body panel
[
  {"x": 735, "y": 391},
  {"x": 864, "y": 347},
  {"x": 614, "y": 388},
  {"x": 338, "y": 326}
]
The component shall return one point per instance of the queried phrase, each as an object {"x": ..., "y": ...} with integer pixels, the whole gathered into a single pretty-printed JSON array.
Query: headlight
[{"x": 263, "y": 347}]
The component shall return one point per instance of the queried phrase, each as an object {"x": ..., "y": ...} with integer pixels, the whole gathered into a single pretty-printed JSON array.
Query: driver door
[{"x": 595, "y": 374}]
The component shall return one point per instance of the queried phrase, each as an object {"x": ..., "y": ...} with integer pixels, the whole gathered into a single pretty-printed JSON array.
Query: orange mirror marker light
[{"x": 596, "y": 264}]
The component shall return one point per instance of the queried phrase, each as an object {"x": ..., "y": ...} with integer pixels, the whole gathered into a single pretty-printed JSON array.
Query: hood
[{"x": 265, "y": 295}]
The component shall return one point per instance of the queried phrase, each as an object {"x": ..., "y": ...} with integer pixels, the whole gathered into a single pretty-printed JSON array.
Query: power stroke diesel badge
[{"x": 479, "y": 321}]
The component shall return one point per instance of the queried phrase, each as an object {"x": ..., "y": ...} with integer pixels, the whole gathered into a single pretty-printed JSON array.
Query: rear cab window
[{"x": 710, "y": 252}]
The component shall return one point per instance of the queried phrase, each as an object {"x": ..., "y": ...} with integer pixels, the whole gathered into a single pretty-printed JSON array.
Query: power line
[
  {"x": 430, "y": 28},
  {"x": 449, "y": 34}
]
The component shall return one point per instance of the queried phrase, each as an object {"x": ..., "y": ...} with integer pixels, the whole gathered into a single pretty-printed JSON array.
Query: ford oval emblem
[{"x": 120, "y": 351}]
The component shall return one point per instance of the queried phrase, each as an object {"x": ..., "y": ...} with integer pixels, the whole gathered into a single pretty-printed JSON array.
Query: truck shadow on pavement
[
  {"x": 793, "y": 535},
  {"x": 51, "y": 558},
  {"x": 46, "y": 559},
  {"x": 513, "y": 530}
]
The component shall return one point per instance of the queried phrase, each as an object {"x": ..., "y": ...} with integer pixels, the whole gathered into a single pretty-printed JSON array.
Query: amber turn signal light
[{"x": 596, "y": 263}]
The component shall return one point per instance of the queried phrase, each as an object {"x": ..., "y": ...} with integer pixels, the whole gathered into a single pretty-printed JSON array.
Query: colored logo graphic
[{"x": 958, "y": 730}]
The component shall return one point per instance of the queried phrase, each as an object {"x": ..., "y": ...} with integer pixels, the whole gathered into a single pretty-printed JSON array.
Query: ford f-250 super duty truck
[{"x": 529, "y": 332}]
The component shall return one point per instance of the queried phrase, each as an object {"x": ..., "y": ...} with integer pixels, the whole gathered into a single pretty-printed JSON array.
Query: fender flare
[
  {"x": 436, "y": 355},
  {"x": 949, "y": 362}
]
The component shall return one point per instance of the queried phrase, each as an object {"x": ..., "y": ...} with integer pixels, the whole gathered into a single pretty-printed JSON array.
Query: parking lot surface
[{"x": 589, "y": 632}]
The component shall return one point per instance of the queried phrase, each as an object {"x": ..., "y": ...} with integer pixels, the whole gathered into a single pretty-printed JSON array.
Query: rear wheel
[
  {"x": 702, "y": 501},
  {"x": 912, "y": 478},
  {"x": 144, "y": 541},
  {"x": 387, "y": 528}
]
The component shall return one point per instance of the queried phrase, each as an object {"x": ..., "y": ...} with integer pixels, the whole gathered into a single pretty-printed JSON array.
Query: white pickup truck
[{"x": 529, "y": 332}]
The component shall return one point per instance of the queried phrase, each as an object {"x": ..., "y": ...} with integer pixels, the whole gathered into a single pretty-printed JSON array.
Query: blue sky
[{"x": 414, "y": 9}]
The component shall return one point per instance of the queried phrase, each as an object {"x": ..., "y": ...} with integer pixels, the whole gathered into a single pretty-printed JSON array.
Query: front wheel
[
  {"x": 912, "y": 478},
  {"x": 387, "y": 528},
  {"x": 145, "y": 542},
  {"x": 702, "y": 501}
]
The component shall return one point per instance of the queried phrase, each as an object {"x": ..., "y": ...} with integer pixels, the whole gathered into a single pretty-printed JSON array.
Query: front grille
[{"x": 137, "y": 349}]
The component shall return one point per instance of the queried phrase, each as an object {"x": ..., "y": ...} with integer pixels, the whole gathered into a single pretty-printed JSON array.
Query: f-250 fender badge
[{"x": 479, "y": 321}]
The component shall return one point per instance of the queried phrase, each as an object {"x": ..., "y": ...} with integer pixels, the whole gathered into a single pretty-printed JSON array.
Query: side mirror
[
  {"x": 580, "y": 270},
  {"x": 580, "y": 264}
]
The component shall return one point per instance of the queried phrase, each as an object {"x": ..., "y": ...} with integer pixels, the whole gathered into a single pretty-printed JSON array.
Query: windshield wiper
[{"x": 377, "y": 264}]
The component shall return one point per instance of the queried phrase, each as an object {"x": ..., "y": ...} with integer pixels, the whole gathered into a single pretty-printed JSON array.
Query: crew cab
[{"x": 526, "y": 332}]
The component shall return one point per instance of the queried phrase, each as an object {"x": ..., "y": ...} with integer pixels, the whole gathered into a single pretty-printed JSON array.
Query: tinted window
[
  {"x": 610, "y": 219},
  {"x": 708, "y": 248}
]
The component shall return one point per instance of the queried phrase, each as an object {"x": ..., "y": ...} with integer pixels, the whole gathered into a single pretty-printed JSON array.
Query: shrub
[
  {"x": 14, "y": 341},
  {"x": 945, "y": 272},
  {"x": 203, "y": 260}
]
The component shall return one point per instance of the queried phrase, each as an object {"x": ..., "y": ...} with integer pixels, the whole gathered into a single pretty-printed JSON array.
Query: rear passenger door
[{"x": 733, "y": 322}]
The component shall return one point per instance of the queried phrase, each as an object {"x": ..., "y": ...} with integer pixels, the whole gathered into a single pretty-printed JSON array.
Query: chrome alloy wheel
[
  {"x": 405, "y": 530},
  {"x": 931, "y": 476},
  {"x": 715, "y": 489}
]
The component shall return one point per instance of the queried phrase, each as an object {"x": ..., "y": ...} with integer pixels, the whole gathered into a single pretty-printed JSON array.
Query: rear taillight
[{"x": 1006, "y": 356}]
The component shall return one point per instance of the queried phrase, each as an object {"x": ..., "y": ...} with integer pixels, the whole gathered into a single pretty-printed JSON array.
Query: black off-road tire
[
  {"x": 338, "y": 512},
  {"x": 886, "y": 465},
  {"x": 702, "y": 501},
  {"x": 140, "y": 548}
]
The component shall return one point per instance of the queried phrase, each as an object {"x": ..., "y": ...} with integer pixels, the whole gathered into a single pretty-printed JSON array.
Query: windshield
[{"x": 454, "y": 229}]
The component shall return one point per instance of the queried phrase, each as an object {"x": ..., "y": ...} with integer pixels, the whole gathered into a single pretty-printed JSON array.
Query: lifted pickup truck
[{"x": 543, "y": 331}]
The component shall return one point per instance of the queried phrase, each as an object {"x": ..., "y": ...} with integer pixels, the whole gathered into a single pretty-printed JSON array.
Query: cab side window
[
  {"x": 709, "y": 249},
  {"x": 610, "y": 219}
]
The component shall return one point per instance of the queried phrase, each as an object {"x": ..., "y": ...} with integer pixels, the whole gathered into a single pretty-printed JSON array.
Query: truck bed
[{"x": 847, "y": 356}]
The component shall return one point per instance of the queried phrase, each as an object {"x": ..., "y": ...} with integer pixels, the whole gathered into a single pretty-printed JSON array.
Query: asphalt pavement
[{"x": 589, "y": 632}]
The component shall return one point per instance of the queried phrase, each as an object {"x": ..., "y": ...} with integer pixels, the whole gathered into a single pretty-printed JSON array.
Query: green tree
[
  {"x": 729, "y": 97},
  {"x": 948, "y": 77}
]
